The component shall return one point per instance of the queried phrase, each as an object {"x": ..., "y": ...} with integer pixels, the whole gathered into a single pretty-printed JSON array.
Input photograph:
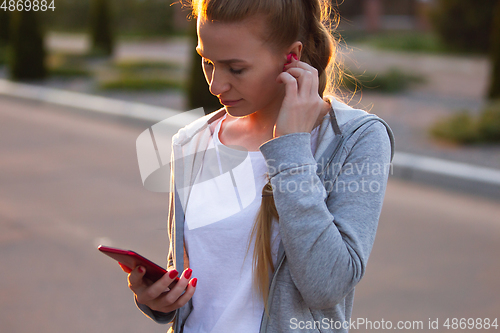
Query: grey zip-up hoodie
[{"x": 327, "y": 229}]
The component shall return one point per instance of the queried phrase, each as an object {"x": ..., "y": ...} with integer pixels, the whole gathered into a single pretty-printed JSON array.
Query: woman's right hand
[{"x": 158, "y": 296}]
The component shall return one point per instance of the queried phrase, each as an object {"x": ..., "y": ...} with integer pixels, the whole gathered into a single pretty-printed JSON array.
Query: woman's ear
[{"x": 296, "y": 48}]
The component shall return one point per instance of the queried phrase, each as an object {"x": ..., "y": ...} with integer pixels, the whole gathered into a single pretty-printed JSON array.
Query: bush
[
  {"x": 393, "y": 81},
  {"x": 26, "y": 52},
  {"x": 464, "y": 24},
  {"x": 489, "y": 123},
  {"x": 408, "y": 41},
  {"x": 462, "y": 128},
  {"x": 133, "y": 82},
  {"x": 459, "y": 128},
  {"x": 141, "y": 65},
  {"x": 67, "y": 65}
]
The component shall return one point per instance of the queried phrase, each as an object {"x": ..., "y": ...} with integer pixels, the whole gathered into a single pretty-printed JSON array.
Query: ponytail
[{"x": 318, "y": 51}]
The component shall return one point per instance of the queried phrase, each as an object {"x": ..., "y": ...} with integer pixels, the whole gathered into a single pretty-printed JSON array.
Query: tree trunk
[
  {"x": 26, "y": 51},
  {"x": 494, "y": 90},
  {"x": 373, "y": 11},
  {"x": 100, "y": 28}
]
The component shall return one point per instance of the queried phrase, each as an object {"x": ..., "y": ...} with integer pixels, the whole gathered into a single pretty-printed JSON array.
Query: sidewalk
[{"x": 454, "y": 83}]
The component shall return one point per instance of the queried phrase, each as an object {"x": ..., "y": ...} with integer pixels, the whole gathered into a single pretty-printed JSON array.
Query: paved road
[{"x": 69, "y": 182}]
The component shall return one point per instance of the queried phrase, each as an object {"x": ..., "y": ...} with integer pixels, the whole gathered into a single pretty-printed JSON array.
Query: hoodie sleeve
[{"x": 328, "y": 238}]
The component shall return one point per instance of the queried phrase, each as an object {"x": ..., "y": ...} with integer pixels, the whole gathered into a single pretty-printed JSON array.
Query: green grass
[
  {"x": 463, "y": 128},
  {"x": 145, "y": 75},
  {"x": 407, "y": 41},
  {"x": 134, "y": 65},
  {"x": 69, "y": 72},
  {"x": 392, "y": 81},
  {"x": 67, "y": 65},
  {"x": 134, "y": 82}
]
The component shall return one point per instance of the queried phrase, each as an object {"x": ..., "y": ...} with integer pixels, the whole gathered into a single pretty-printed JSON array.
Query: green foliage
[
  {"x": 26, "y": 52},
  {"x": 462, "y": 128},
  {"x": 69, "y": 72},
  {"x": 134, "y": 82},
  {"x": 133, "y": 65},
  {"x": 408, "y": 41},
  {"x": 393, "y": 81},
  {"x": 151, "y": 17},
  {"x": 459, "y": 128},
  {"x": 130, "y": 17},
  {"x": 464, "y": 24},
  {"x": 67, "y": 65},
  {"x": 100, "y": 28},
  {"x": 144, "y": 75},
  {"x": 489, "y": 123},
  {"x": 494, "y": 89}
]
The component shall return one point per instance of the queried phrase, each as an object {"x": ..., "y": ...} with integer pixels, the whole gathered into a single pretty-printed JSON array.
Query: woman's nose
[{"x": 218, "y": 83}]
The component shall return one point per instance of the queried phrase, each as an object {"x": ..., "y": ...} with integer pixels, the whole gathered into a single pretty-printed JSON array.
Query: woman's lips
[{"x": 229, "y": 102}]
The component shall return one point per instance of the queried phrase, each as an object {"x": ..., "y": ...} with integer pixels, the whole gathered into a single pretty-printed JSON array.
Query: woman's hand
[
  {"x": 302, "y": 104},
  {"x": 158, "y": 296}
]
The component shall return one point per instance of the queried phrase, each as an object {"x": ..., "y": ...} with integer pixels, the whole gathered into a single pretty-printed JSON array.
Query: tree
[
  {"x": 494, "y": 90},
  {"x": 373, "y": 11},
  {"x": 463, "y": 24},
  {"x": 100, "y": 28},
  {"x": 26, "y": 52},
  {"x": 4, "y": 27}
]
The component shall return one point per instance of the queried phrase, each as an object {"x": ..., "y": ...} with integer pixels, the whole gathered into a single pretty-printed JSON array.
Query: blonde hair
[{"x": 287, "y": 21}]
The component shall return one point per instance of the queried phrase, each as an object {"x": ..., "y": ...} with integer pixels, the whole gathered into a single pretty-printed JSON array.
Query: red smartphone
[{"x": 132, "y": 259}]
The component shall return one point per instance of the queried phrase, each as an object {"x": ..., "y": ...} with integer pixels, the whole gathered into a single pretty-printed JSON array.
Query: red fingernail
[
  {"x": 141, "y": 269},
  {"x": 288, "y": 58},
  {"x": 125, "y": 268},
  {"x": 173, "y": 274},
  {"x": 194, "y": 282},
  {"x": 188, "y": 273},
  {"x": 295, "y": 56}
]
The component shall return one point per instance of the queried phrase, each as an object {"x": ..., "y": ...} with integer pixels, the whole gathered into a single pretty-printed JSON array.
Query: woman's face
[{"x": 239, "y": 68}]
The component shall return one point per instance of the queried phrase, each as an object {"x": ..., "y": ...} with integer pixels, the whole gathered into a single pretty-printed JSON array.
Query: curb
[{"x": 470, "y": 178}]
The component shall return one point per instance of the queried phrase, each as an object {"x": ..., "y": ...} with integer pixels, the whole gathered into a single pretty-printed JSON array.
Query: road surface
[{"x": 69, "y": 182}]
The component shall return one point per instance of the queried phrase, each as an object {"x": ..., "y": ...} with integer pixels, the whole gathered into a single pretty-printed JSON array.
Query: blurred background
[{"x": 81, "y": 79}]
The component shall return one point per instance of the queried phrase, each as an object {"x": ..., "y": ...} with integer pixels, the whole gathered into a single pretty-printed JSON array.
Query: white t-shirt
[{"x": 220, "y": 215}]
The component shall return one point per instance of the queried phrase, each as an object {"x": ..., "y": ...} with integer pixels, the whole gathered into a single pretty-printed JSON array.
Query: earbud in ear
[{"x": 289, "y": 59}]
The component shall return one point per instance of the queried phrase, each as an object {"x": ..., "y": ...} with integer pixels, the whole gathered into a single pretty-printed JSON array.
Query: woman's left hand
[{"x": 302, "y": 104}]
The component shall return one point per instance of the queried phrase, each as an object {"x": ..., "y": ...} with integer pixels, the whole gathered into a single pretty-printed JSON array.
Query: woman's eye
[{"x": 234, "y": 71}]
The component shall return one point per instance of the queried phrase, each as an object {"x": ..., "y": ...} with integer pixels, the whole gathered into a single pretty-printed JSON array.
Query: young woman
[{"x": 287, "y": 259}]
